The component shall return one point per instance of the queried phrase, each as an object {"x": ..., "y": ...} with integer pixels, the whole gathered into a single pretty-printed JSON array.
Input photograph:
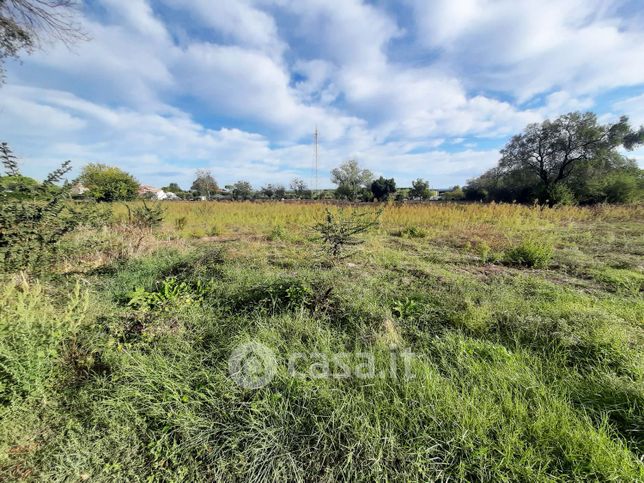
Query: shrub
[
  {"x": 530, "y": 253},
  {"x": 30, "y": 230},
  {"x": 32, "y": 332},
  {"x": 339, "y": 231},
  {"x": 169, "y": 294},
  {"x": 146, "y": 216},
  {"x": 180, "y": 223},
  {"x": 561, "y": 195},
  {"x": 278, "y": 232},
  {"x": 414, "y": 232},
  {"x": 484, "y": 251},
  {"x": 108, "y": 183}
]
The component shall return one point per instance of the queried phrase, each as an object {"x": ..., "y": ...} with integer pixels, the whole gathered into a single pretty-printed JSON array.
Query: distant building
[
  {"x": 78, "y": 190},
  {"x": 151, "y": 193}
]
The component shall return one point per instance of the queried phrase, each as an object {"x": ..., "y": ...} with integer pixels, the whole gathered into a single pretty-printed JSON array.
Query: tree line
[{"x": 573, "y": 159}]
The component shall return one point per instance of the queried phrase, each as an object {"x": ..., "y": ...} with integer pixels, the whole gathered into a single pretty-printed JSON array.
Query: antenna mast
[{"x": 316, "y": 136}]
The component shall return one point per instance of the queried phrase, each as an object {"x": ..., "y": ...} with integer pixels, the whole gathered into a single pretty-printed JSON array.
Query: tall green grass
[{"x": 518, "y": 374}]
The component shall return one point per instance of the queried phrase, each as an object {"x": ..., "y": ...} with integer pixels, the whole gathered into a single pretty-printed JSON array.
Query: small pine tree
[
  {"x": 9, "y": 160},
  {"x": 339, "y": 231}
]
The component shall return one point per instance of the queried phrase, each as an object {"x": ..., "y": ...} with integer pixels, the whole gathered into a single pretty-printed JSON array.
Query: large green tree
[
  {"x": 351, "y": 180},
  {"x": 241, "y": 190},
  {"x": 556, "y": 150},
  {"x": 561, "y": 160},
  {"x": 108, "y": 183},
  {"x": 382, "y": 188},
  {"x": 420, "y": 189}
]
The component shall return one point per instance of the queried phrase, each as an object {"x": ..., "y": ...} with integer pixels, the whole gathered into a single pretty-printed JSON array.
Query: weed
[
  {"x": 484, "y": 251},
  {"x": 414, "y": 232},
  {"x": 278, "y": 232},
  {"x": 530, "y": 253},
  {"x": 169, "y": 294},
  {"x": 145, "y": 216},
  {"x": 180, "y": 223}
]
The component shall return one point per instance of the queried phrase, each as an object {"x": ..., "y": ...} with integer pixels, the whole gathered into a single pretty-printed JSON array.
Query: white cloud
[
  {"x": 532, "y": 46},
  {"x": 393, "y": 94},
  {"x": 237, "y": 20}
]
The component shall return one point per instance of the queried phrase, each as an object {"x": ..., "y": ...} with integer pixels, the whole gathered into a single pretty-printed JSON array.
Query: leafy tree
[
  {"x": 108, "y": 183},
  {"x": 555, "y": 150},
  {"x": 172, "y": 188},
  {"x": 273, "y": 191},
  {"x": 420, "y": 189},
  {"x": 351, "y": 180},
  {"x": 19, "y": 187},
  {"x": 280, "y": 191},
  {"x": 205, "y": 183},
  {"x": 563, "y": 161},
  {"x": 382, "y": 188},
  {"x": 242, "y": 190},
  {"x": 300, "y": 188},
  {"x": 25, "y": 24},
  {"x": 455, "y": 194},
  {"x": 624, "y": 185}
]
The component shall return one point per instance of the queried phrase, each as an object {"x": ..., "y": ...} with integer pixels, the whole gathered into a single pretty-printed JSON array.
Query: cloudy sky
[{"x": 410, "y": 88}]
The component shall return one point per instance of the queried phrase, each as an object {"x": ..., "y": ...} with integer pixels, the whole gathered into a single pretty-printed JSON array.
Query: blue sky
[{"x": 409, "y": 88}]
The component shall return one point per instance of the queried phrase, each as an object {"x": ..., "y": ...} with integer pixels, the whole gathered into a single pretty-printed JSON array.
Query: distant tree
[
  {"x": 420, "y": 189},
  {"x": 300, "y": 188},
  {"x": 242, "y": 190},
  {"x": 273, "y": 191},
  {"x": 455, "y": 194},
  {"x": 382, "y": 188},
  {"x": 26, "y": 24},
  {"x": 351, "y": 180},
  {"x": 172, "y": 188},
  {"x": 108, "y": 183},
  {"x": 204, "y": 184},
  {"x": 267, "y": 191},
  {"x": 555, "y": 150},
  {"x": 18, "y": 187}
]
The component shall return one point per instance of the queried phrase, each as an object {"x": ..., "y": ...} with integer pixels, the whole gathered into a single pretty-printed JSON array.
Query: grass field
[{"x": 526, "y": 327}]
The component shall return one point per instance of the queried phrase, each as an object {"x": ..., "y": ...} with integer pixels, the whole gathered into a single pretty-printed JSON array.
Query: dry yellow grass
[{"x": 199, "y": 219}]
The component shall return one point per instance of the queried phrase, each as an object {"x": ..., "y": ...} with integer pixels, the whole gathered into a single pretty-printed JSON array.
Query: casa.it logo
[{"x": 252, "y": 365}]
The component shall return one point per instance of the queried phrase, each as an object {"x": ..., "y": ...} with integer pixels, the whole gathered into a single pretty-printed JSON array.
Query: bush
[
  {"x": 414, "y": 232},
  {"x": 145, "y": 216},
  {"x": 30, "y": 230},
  {"x": 108, "y": 183},
  {"x": 530, "y": 253},
  {"x": 32, "y": 331},
  {"x": 278, "y": 232},
  {"x": 561, "y": 195},
  {"x": 339, "y": 230},
  {"x": 170, "y": 294}
]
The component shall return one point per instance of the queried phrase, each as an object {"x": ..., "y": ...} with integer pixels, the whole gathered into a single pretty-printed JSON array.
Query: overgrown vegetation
[
  {"x": 30, "y": 229},
  {"x": 571, "y": 159},
  {"x": 119, "y": 371},
  {"x": 340, "y": 229}
]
